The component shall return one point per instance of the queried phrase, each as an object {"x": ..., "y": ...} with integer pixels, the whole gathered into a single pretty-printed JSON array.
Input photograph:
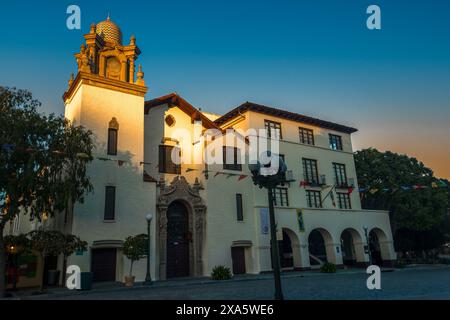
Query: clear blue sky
[{"x": 312, "y": 57}]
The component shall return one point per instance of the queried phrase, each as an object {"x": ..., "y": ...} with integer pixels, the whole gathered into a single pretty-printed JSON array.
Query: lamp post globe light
[
  {"x": 148, "y": 277},
  {"x": 268, "y": 179}
]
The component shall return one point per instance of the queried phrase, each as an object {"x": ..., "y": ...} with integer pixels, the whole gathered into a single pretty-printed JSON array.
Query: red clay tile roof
[
  {"x": 174, "y": 99},
  {"x": 249, "y": 106}
]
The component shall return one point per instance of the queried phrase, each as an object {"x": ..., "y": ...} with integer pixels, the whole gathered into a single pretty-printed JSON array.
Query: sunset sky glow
[{"x": 312, "y": 57}]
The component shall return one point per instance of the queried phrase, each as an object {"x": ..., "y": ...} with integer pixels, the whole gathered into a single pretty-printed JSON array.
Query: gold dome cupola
[
  {"x": 103, "y": 60},
  {"x": 109, "y": 31}
]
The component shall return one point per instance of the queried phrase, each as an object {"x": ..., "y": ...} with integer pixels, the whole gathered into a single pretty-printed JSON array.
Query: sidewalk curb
[
  {"x": 207, "y": 281},
  {"x": 181, "y": 283}
]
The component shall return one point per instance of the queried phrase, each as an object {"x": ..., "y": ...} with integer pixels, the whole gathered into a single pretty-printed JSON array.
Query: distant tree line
[{"x": 419, "y": 216}]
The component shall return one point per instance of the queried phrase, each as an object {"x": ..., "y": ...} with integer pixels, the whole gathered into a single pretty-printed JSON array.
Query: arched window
[{"x": 113, "y": 136}]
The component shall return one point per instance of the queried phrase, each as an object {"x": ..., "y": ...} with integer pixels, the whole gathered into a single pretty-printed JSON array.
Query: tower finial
[
  {"x": 140, "y": 77},
  {"x": 71, "y": 80},
  {"x": 108, "y": 18}
]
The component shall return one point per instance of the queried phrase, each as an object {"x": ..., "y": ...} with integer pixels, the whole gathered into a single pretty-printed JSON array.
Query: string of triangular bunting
[{"x": 434, "y": 185}]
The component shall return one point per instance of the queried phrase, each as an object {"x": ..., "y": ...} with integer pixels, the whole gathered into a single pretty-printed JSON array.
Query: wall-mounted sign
[
  {"x": 301, "y": 224},
  {"x": 264, "y": 219}
]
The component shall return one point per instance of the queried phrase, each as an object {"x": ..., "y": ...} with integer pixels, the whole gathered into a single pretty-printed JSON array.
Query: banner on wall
[
  {"x": 301, "y": 224},
  {"x": 264, "y": 218}
]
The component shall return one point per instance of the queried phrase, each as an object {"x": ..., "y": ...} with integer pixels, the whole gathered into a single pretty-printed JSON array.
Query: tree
[
  {"x": 416, "y": 213},
  {"x": 18, "y": 244},
  {"x": 134, "y": 248},
  {"x": 43, "y": 162}
]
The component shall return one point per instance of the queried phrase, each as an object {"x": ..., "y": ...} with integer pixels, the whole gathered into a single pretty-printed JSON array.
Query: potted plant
[{"x": 134, "y": 248}]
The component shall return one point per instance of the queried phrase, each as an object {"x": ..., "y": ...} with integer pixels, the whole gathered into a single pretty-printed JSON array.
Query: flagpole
[{"x": 323, "y": 200}]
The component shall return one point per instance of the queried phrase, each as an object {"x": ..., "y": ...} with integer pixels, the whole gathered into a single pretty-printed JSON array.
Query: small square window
[
  {"x": 313, "y": 199},
  {"x": 306, "y": 136},
  {"x": 344, "y": 200},
  {"x": 280, "y": 197},
  {"x": 335, "y": 142},
  {"x": 273, "y": 129}
]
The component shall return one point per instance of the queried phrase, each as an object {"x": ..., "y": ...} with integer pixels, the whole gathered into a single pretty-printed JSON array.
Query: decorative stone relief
[{"x": 180, "y": 190}]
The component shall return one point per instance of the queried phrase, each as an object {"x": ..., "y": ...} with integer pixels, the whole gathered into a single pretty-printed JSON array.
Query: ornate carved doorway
[
  {"x": 181, "y": 233},
  {"x": 178, "y": 238}
]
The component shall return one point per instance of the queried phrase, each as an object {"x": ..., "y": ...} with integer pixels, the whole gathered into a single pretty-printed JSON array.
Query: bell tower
[
  {"x": 107, "y": 97},
  {"x": 104, "y": 55}
]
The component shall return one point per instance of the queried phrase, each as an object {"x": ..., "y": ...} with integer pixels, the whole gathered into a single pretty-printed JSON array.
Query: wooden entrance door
[
  {"x": 177, "y": 240},
  {"x": 238, "y": 257},
  {"x": 104, "y": 265}
]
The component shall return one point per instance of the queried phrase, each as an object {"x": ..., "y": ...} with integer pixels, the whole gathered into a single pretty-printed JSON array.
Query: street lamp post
[
  {"x": 274, "y": 248},
  {"x": 270, "y": 181},
  {"x": 148, "y": 277},
  {"x": 368, "y": 245}
]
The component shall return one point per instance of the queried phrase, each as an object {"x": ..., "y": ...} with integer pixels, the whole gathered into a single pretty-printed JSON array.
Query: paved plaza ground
[{"x": 431, "y": 282}]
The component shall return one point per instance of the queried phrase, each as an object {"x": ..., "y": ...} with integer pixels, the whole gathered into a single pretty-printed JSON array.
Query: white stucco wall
[{"x": 95, "y": 108}]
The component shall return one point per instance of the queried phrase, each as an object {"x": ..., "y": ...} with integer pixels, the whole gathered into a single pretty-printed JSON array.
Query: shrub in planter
[
  {"x": 134, "y": 248},
  {"x": 328, "y": 268},
  {"x": 221, "y": 273}
]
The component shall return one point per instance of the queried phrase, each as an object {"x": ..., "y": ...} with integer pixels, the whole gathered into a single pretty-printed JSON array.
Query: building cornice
[
  {"x": 281, "y": 114},
  {"x": 105, "y": 83}
]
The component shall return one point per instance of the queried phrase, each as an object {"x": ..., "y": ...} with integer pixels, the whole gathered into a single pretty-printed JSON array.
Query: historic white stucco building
[{"x": 212, "y": 215}]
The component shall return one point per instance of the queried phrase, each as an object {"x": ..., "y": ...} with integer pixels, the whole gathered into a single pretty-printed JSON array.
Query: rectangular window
[
  {"x": 310, "y": 173},
  {"x": 232, "y": 159},
  {"x": 166, "y": 163},
  {"x": 239, "y": 207},
  {"x": 112, "y": 142},
  {"x": 280, "y": 197},
  {"x": 273, "y": 129},
  {"x": 306, "y": 136},
  {"x": 314, "y": 199},
  {"x": 340, "y": 175},
  {"x": 110, "y": 203},
  {"x": 344, "y": 200},
  {"x": 335, "y": 142}
]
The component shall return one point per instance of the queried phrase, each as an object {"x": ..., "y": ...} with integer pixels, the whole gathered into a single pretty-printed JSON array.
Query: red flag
[
  {"x": 242, "y": 177},
  {"x": 350, "y": 190},
  {"x": 303, "y": 184}
]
